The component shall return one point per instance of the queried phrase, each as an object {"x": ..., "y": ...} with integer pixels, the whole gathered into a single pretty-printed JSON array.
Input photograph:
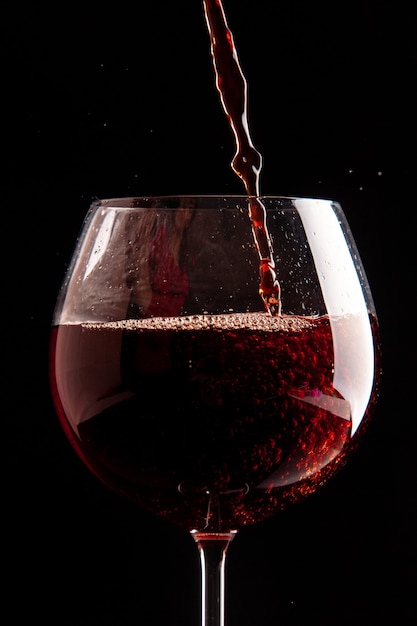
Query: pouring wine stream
[{"x": 247, "y": 162}]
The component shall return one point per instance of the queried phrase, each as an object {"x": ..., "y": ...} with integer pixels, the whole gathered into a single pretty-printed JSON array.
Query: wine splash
[{"x": 247, "y": 162}]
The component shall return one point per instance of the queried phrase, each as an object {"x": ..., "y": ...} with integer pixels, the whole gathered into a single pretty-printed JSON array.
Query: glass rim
[{"x": 134, "y": 201}]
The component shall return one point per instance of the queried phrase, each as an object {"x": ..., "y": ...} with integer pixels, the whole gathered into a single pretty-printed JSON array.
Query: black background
[{"x": 117, "y": 99}]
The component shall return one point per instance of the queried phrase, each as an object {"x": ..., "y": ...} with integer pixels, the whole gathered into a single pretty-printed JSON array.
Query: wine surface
[{"x": 213, "y": 422}]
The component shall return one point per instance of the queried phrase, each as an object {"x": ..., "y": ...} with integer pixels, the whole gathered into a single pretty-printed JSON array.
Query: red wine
[
  {"x": 247, "y": 162},
  {"x": 210, "y": 421}
]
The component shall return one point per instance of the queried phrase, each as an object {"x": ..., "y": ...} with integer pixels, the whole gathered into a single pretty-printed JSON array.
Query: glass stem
[{"x": 213, "y": 548}]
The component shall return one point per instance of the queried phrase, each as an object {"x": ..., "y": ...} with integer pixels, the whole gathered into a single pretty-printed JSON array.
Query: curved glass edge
[{"x": 330, "y": 222}]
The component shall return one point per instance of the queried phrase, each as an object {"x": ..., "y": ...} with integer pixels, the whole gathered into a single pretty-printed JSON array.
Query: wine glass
[{"x": 184, "y": 390}]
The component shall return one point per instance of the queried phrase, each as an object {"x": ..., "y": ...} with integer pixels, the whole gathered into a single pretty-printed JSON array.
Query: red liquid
[
  {"x": 247, "y": 162},
  {"x": 213, "y": 422}
]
